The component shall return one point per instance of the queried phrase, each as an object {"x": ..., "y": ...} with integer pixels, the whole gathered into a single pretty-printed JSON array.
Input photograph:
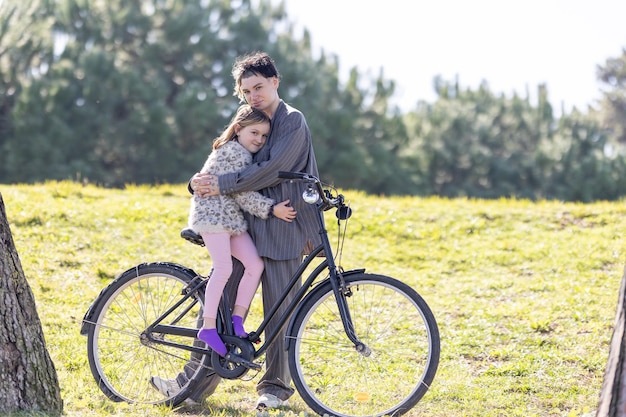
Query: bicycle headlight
[{"x": 310, "y": 195}]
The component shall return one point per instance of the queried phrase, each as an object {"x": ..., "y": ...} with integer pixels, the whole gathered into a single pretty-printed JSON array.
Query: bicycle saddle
[{"x": 193, "y": 237}]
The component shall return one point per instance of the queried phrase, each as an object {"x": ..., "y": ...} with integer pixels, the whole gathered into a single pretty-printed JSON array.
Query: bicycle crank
[{"x": 238, "y": 360}]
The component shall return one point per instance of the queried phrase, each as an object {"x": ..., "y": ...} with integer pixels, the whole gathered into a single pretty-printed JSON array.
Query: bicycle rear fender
[
  {"x": 88, "y": 318},
  {"x": 322, "y": 288}
]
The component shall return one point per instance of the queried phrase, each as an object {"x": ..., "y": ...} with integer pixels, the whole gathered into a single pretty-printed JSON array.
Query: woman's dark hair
[{"x": 256, "y": 63}]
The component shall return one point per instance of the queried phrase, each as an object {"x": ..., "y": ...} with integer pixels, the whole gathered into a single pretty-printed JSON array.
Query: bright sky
[{"x": 513, "y": 45}]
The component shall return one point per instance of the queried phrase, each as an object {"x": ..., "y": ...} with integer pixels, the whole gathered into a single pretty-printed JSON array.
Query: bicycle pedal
[
  {"x": 233, "y": 357},
  {"x": 254, "y": 338}
]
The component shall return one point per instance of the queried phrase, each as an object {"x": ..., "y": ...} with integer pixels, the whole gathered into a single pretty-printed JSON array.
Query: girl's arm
[{"x": 262, "y": 207}]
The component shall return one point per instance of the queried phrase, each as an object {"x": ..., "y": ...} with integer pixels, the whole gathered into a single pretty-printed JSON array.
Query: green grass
[{"x": 525, "y": 293}]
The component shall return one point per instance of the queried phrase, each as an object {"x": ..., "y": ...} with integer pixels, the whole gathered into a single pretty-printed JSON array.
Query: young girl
[{"x": 220, "y": 222}]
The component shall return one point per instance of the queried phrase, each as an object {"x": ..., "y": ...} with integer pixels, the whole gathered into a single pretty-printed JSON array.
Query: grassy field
[{"x": 524, "y": 293}]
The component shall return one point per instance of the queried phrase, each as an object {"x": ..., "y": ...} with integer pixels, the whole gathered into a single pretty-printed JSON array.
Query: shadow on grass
[{"x": 190, "y": 410}]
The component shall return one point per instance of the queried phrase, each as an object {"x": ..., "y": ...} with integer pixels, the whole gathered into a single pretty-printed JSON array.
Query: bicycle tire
[
  {"x": 393, "y": 320},
  {"x": 120, "y": 361}
]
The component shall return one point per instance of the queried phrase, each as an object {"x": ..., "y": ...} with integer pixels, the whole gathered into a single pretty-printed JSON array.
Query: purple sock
[
  {"x": 211, "y": 338},
  {"x": 238, "y": 327}
]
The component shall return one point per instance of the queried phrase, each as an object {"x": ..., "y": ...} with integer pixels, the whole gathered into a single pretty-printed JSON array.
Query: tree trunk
[
  {"x": 613, "y": 395},
  {"x": 28, "y": 379}
]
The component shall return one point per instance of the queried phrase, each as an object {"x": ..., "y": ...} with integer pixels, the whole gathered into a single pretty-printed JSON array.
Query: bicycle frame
[{"x": 336, "y": 279}]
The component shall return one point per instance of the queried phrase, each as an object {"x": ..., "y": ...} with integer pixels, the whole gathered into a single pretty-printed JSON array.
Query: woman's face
[
  {"x": 253, "y": 137},
  {"x": 260, "y": 92}
]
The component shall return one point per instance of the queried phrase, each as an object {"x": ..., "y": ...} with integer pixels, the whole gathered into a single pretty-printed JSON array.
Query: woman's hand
[
  {"x": 284, "y": 212},
  {"x": 204, "y": 185}
]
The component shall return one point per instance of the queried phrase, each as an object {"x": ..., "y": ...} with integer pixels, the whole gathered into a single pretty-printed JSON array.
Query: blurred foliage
[{"x": 118, "y": 92}]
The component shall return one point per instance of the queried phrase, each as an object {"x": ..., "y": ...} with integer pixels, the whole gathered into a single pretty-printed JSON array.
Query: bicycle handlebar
[
  {"x": 296, "y": 176},
  {"x": 328, "y": 200},
  {"x": 312, "y": 179}
]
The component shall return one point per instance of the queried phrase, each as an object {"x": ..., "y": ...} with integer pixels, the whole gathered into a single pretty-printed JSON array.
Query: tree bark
[
  {"x": 613, "y": 395},
  {"x": 28, "y": 379}
]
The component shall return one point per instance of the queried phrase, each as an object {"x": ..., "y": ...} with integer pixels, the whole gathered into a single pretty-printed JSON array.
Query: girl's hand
[
  {"x": 284, "y": 212},
  {"x": 204, "y": 185}
]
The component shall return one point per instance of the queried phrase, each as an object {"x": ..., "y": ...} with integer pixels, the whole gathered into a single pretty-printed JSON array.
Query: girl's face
[{"x": 253, "y": 137}]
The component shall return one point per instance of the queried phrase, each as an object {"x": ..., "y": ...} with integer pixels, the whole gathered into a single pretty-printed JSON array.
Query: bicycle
[{"x": 358, "y": 343}]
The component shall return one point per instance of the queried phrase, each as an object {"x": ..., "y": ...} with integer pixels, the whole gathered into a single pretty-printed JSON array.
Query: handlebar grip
[{"x": 292, "y": 175}]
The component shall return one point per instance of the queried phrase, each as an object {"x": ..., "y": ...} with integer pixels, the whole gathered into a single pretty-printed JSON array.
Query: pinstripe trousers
[{"x": 277, "y": 379}]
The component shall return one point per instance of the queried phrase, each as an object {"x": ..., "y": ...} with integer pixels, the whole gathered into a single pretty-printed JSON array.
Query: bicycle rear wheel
[
  {"x": 121, "y": 359},
  {"x": 393, "y": 321}
]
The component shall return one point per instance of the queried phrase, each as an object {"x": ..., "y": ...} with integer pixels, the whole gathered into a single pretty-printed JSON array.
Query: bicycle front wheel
[
  {"x": 122, "y": 359},
  {"x": 397, "y": 326}
]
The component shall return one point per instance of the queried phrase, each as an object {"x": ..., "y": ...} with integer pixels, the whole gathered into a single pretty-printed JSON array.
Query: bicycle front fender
[
  {"x": 88, "y": 318},
  {"x": 317, "y": 292}
]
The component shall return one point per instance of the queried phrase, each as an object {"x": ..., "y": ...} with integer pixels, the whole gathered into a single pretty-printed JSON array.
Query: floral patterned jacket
[{"x": 223, "y": 213}]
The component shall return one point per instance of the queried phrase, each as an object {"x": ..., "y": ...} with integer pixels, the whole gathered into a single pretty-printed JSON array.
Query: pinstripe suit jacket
[{"x": 288, "y": 148}]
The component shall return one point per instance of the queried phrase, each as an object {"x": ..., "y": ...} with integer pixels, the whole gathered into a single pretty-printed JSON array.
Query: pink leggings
[{"x": 221, "y": 246}]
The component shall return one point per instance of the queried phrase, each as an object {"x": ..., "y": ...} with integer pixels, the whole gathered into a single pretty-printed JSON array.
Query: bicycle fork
[
  {"x": 341, "y": 291},
  {"x": 341, "y": 294}
]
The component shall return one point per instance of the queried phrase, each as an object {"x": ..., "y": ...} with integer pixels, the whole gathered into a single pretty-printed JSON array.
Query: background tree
[
  {"x": 477, "y": 144},
  {"x": 136, "y": 91},
  {"x": 22, "y": 49},
  {"x": 380, "y": 132},
  {"x": 28, "y": 379},
  {"x": 588, "y": 164},
  {"x": 122, "y": 92},
  {"x": 613, "y": 103}
]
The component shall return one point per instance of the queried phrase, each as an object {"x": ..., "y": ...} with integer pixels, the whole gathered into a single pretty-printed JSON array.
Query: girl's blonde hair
[{"x": 245, "y": 116}]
